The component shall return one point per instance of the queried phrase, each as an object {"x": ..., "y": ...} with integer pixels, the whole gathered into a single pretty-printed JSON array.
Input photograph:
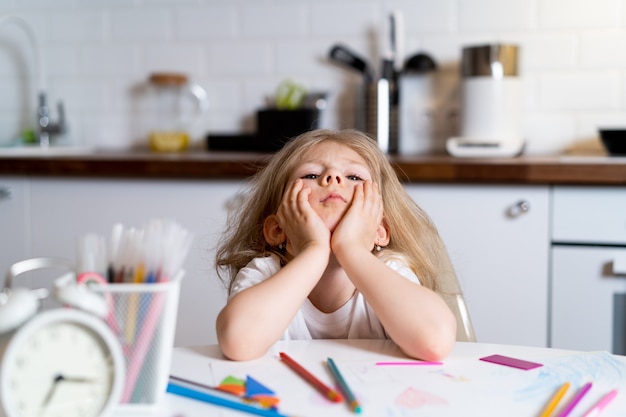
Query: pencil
[
  {"x": 554, "y": 401},
  {"x": 600, "y": 405},
  {"x": 407, "y": 363},
  {"x": 579, "y": 396},
  {"x": 325, "y": 390},
  {"x": 216, "y": 400},
  {"x": 352, "y": 402}
]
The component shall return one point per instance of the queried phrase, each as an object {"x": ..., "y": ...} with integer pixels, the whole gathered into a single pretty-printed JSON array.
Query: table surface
[{"x": 462, "y": 385}]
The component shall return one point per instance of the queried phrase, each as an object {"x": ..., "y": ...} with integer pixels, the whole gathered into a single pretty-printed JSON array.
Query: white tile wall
[{"x": 97, "y": 56}]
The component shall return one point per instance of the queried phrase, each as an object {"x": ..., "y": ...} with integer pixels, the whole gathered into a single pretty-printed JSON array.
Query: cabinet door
[
  {"x": 589, "y": 298},
  {"x": 65, "y": 209},
  {"x": 13, "y": 221},
  {"x": 500, "y": 253}
]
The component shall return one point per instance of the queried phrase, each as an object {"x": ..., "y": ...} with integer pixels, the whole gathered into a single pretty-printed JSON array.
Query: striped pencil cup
[{"x": 143, "y": 317}]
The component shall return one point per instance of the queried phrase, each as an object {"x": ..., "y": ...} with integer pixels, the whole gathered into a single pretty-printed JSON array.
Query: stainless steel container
[{"x": 496, "y": 61}]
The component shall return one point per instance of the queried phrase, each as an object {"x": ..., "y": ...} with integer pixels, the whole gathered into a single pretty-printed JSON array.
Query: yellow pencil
[
  {"x": 555, "y": 400},
  {"x": 133, "y": 306}
]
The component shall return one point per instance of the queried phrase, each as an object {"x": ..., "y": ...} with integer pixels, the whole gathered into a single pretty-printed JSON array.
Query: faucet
[{"x": 45, "y": 127}]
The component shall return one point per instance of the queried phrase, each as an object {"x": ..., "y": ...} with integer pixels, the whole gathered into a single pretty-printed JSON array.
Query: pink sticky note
[{"x": 512, "y": 362}]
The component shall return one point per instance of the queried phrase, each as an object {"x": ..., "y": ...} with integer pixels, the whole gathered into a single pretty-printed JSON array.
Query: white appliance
[
  {"x": 491, "y": 100},
  {"x": 588, "y": 269}
]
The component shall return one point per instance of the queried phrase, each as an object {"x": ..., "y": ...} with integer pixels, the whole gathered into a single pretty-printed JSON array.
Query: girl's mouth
[{"x": 333, "y": 197}]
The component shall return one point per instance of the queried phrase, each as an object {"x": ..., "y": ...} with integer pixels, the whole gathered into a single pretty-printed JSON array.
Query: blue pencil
[
  {"x": 354, "y": 404},
  {"x": 213, "y": 399}
]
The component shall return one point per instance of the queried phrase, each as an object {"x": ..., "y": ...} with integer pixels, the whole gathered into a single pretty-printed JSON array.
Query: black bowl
[{"x": 614, "y": 141}]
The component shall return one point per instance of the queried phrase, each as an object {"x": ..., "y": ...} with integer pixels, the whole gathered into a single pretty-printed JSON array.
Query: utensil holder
[
  {"x": 143, "y": 317},
  {"x": 378, "y": 113}
]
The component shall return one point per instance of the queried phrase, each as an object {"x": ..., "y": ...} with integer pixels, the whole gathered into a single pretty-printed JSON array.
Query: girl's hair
[{"x": 413, "y": 237}]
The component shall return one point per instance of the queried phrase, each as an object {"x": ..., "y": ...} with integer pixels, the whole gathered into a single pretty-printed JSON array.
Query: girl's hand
[
  {"x": 358, "y": 227},
  {"x": 299, "y": 221}
]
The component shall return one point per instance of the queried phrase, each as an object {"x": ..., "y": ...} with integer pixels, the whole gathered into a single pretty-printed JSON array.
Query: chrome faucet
[{"x": 46, "y": 127}]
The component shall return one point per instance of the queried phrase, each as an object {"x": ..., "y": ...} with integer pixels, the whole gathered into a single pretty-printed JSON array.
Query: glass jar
[{"x": 178, "y": 104}]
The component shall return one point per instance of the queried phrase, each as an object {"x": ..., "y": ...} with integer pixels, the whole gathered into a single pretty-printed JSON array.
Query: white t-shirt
[{"x": 354, "y": 320}]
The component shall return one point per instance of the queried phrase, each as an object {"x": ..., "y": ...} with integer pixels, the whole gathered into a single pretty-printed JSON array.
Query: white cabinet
[
  {"x": 588, "y": 277},
  {"x": 500, "y": 254},
  {"x": 64, "y": 209},
  {"x": 14, "y": 221}
]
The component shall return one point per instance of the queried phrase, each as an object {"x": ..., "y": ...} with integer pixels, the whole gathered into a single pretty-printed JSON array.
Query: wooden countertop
[{"x": 578, "y": 170}]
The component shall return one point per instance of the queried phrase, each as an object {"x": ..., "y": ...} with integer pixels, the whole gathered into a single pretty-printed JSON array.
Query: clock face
[{"x": 62, "y": 367}]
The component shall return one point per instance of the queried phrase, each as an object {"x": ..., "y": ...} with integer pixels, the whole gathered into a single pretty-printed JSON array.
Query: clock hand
[
  {"x": 78, "y": 379},
  {"x": 58, "y": 378}
]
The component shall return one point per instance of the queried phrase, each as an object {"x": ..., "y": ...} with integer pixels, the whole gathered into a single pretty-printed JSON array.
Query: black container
[
  {"x": 614, "y": 141},
  {"x": 276, "y": 127}
]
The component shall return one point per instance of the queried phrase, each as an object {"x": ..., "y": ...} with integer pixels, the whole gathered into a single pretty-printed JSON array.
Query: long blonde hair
[{"x": 413, "y": 237}]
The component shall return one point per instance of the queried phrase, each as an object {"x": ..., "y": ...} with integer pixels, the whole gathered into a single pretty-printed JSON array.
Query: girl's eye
[
  {"x": 310, "y": 177},
  {"x": 354, "y": 178}
]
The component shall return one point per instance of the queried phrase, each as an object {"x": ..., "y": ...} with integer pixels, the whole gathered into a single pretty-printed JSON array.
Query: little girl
[{"x": 327, "y": 244}]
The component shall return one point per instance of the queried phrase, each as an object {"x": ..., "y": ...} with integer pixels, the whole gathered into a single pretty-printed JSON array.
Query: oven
[{"x": 588, "y": 269}]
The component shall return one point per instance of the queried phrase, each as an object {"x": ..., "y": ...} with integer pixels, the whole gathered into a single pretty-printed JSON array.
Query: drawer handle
[
  {"x": 5, "y": 193},
  {"x": 518, "y": 209},
  {"x": 619, "y": 265}
]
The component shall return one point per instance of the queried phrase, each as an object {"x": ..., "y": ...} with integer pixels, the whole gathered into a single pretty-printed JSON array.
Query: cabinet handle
[
  {"x": 5, "y": 193},
  {"x": 518, "y": 209},
  {"x": 619, "y": 265}
]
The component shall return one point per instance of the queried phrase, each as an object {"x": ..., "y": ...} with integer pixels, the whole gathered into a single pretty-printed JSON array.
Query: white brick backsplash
[
  {"x": 304, "y": 57},
  {"x": 96, "y": 53},
  {"x": 425, "y": 16},
  {"x": 77, "y": 26},
  {"x": 595, "y": 91},
  {"x": 277, "y": 21},
  {"x": 205, "y": 23},
  {"x": 144, "y": 25},
  {"x": 110, "y": 59},
  {"x": 346, "y": 18},
  {"x": 547, "y": 52},
  {"x": 579, "y": 14},
  {"x": 187, "y": 59},
  {"x": 241, "y": 58},
  {"x": 548, "y": 132},
  {"x": 603, "y": 50},
  {"x": 488, "y": 15}
]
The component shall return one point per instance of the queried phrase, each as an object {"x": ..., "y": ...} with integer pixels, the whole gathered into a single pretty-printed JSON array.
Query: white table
[{"x": 462, "y": 386}]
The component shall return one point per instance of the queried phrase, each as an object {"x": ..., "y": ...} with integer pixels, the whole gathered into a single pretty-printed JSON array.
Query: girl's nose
[{"x": 330, "y": 178}]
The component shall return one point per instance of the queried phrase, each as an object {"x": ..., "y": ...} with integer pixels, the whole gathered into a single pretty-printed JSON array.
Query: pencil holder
[{"x": 143, "y": 317}]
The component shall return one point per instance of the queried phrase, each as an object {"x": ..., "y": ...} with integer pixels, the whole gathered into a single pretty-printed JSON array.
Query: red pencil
[{"x": 328, "y": 392}]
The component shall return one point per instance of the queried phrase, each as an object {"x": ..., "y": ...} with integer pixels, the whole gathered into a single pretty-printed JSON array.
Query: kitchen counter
[{"x": 579, "y": 170}]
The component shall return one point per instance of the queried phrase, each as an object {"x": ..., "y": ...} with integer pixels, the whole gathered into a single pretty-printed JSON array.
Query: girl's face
[{"x": 331, "y": 171}]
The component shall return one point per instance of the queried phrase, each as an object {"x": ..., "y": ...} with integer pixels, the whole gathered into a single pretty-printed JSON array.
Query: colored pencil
[
  {"x": 600, "y": 405},
  {"x": 352, "y": 402},
  {"x": 325, "y": 390},
  {"x": 405, "y": 363},
  {"x": 579, "y": 396},
  {"x": 216, "y": 400},
  {"x": 554, "y": 401}
]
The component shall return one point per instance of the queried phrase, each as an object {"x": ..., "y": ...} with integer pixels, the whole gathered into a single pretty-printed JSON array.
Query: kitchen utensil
[
  {"x": 343, "y": 55},
  {"x": 614, "y": 140},
  {"x": 420, "y": 63},
  {"x": 490, "y": 103},
  {"x": 178, "y": 104}
]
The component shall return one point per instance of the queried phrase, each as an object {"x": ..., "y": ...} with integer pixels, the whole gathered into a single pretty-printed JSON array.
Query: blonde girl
[{"x": 327, "y": 244}]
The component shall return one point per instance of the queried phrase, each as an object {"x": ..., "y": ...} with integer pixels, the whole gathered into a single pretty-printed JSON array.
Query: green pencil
[{"x": 352, "y": 402}]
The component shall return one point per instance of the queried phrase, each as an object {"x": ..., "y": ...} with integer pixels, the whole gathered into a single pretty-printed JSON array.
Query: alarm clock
[{"x": 62, "y": 362}]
